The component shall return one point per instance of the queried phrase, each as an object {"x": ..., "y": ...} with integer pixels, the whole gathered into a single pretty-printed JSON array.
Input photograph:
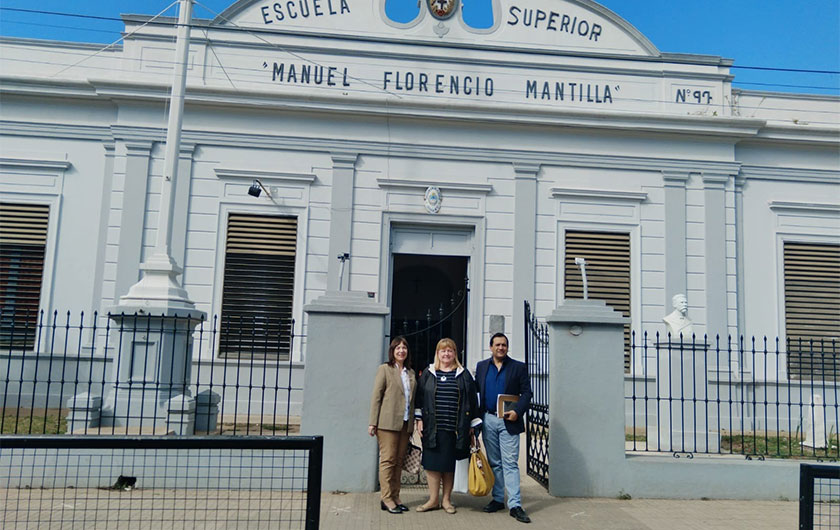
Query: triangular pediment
[{"x": 570, "y": 26}]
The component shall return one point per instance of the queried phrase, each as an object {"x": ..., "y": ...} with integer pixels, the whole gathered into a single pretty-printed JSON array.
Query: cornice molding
[
  {"x": 790, "y": 174},
  {"x": 468, "y": 187},
  {"x": 812, "y": 207},
  {"x": 615, "y": 195},
  {"x": 478, "y": 112},
  {"x": 35, "y": 163},
  {"x": 236, "y": 173},
  {"x": 797, "y": 134},
  {"x": 510, "y": 156},
  {"x": 57, "y": 130}
]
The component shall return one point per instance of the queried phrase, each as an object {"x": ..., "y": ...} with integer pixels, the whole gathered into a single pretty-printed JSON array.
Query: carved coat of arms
[{"x": 442, "y": 9}]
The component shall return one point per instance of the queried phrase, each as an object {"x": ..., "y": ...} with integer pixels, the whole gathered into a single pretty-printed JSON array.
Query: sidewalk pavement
[{"x": 360, "y": 511}]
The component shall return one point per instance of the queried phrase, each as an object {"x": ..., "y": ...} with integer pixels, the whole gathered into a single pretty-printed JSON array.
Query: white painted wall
[{"x": 781, "y": 146}]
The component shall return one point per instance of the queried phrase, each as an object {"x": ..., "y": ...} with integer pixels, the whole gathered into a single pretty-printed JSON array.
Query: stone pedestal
[
  {"x": 682, "y": 421},
  {"x": 586, "y": 399},
  {"x": 153, "y": 364},
  {"x": 180, "y": 416},
  {"x": 345, "y": 342},
  {"x": 84, "y": 413},
  {"x": 207, "y": 411}
]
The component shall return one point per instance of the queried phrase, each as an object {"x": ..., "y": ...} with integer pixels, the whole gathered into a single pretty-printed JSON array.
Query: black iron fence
[
  {"x": 144, "y": 374},
  {"x": 733, "y": 396},
  {"x": 536, "y": 434},
  {"x": 160, "y": 482},
  {"x": 819, "y": 496}
]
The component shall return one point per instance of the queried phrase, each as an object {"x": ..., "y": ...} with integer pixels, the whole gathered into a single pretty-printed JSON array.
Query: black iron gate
[
  {"x": 423, "y": 334},
  {"x": 536, "y": 357}
]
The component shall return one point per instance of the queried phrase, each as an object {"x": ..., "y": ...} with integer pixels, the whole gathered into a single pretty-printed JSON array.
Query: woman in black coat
[{"x": 447, "y": 405}]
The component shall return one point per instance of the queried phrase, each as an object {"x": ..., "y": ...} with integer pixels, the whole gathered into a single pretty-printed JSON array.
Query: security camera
[{"x": 255, "y": 189}]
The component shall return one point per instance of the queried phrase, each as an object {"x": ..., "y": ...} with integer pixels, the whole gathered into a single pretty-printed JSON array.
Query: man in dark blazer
[{"x": 497, "y": 375}]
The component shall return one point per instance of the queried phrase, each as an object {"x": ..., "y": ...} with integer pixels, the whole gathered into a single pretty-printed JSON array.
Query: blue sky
[{"x": 799, "y": 35}]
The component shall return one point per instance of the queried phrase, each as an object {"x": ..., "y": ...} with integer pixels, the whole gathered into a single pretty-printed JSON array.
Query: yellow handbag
[{"x": 481, "y": 475}]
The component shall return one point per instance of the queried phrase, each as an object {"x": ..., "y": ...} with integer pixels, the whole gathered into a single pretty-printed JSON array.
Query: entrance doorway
[{"x": 429, "y": 301}]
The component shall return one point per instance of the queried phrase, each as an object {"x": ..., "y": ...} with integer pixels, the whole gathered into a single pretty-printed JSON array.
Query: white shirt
[{"x": 406, "y": 391}]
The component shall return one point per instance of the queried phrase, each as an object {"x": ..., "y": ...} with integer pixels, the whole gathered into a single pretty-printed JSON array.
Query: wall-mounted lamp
[
  {"x": 343, "y": 258},
  {"x": 257, "y": 188}
]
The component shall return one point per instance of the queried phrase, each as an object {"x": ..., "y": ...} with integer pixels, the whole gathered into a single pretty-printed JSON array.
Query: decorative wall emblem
[
  {"x": 442, "y": 9},
  {"x": 433, "y": 199}
]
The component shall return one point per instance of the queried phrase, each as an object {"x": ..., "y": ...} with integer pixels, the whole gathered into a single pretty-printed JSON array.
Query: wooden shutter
[
  {"x": 812, "y": 309},
  {"x": 23, "y": 241},
  {"x": 607, "y": 256},
  {"x": 258, "y": 287}
]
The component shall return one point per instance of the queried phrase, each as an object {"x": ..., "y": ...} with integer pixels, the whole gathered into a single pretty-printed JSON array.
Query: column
[
  {"x": 341, "y": 218},
  {"x": 524, "y": 245}
]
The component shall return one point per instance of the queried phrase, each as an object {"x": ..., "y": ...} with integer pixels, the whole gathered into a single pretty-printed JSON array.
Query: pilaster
[
  {"x": 740, "y": 181},
  {"x": 714, "y": 186},
  {"x": 341, "y": 218},
  {"x": 180, "y": 211},
  {"x": 524, "y": 244},
  {"x": 104, "y": 212},
  {"x": 132, "y": 215},
  {"x": 675, "y": 235}
]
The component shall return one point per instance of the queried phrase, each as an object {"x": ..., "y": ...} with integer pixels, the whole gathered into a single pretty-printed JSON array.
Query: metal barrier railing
[
  {"x": 160, "y": 481},
  {"x": 757, "y": 398},
  {"x": 114, "y": 374},
  {"x": 819, "y": 496}
]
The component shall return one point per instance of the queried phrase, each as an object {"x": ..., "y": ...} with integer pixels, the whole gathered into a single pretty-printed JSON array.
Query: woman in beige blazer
[{"x": 392, "y": 420}]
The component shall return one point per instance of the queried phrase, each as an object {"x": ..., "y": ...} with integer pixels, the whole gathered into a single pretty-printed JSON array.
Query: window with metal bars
[
  {"x": 23, "y": 241},
  {"x": 257, "y": 294},
  {"x": 607, "y": 256},
  {"x": 812, "y": 309}
]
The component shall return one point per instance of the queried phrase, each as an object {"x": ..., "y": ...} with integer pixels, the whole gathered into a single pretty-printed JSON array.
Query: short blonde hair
[{"x": 444, "y": 343}]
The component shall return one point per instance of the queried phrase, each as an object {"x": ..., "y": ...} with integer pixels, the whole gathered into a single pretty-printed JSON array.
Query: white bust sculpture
[{"x": 677, "y": 323}]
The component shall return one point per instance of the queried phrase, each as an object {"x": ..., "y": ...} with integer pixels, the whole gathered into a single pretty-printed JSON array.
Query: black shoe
[
  {"x": 519, "y": 514},
  {"x": 402, "y": 507},
  {"x": 395, "y": 509},
  {"x": 494, "y": 506}
]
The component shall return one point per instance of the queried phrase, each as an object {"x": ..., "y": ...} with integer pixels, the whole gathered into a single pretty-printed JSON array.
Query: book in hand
[{"x": 505, "y": 403}]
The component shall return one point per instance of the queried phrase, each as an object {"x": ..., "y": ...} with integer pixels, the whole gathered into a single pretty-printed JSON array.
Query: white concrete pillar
[
  {"x": 344, "y": 339},
  {"x": 586, "y": 399}
]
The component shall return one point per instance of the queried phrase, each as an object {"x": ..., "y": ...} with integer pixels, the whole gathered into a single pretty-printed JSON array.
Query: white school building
[{"x": 407, "y": 158}]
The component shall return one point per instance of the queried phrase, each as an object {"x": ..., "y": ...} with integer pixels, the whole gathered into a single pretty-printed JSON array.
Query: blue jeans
[{"x": 503, "y": 454}]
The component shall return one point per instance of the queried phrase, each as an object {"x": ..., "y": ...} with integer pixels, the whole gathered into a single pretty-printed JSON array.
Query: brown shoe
[
  {"x": 449, "y": 509},
  {"x": 428, "y": 507}
]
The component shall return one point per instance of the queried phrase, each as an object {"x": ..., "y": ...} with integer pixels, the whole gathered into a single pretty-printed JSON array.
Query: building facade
[{"x": 410, "y": 158}]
